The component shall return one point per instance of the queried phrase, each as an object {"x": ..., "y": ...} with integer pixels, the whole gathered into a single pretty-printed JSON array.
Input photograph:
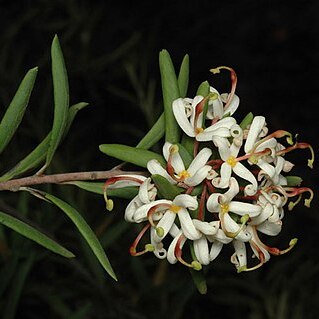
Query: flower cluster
[{"x": 226, "y": 182}]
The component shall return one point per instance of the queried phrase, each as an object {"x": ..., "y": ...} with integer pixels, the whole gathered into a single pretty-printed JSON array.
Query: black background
[{"x": 273, "y": 47}]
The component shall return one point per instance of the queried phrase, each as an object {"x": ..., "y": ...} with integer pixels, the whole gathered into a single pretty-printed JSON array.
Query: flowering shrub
[{"x": 218, "y": 182}]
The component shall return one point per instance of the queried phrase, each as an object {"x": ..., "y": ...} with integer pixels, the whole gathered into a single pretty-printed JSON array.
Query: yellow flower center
[
  {"x": 198, "y": 130},
  {"x": 183, "y": 175},
  {"x": 231, "y": 161},
  {"x": 175, "y": 208},
  {"x": 224, "y": 208}
]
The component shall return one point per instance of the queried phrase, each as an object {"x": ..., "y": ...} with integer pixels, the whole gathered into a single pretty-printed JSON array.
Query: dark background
[{"x": 111, "y": 52}]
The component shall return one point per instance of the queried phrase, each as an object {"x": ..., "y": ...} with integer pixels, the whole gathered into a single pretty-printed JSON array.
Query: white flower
[
  {"x": 190, "y": 119},
  {"x": 269, "y": 221},
  {"x": 192, "y": 176},
  {"x": 223, "y": 204},
  {"x": 216, "y": 105},
  {"x": 239, "y": 257},
  {"x": 146, "y": 194},
  {"x": 165, "y": 211},
  {"x": 121, "y": 181},
  {"x": 201, "y": 247},
  {"x": 228, "y": 154}
]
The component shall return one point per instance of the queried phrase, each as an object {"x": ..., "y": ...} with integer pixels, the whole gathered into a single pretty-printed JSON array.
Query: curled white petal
[
  {"x": 187, "y": 225},
  {"x": 239, "y": 258},
  {"x": 242, "y": 208},
  {"x": 199, "y": 161},
  {"x": 141, "y": 213},
  {"x": 182, "y": 118},
  {"x": 131, "y": 208},
  {"x": 207, "y": 228},
  {"x": 171, "y": 249},
  {"x": 154, "y": 167},
  {"x": 201, "y": 250},
  {"x": 254, "y": 130},
  {"x": 185, "y": 200},
  {"x": 165, "y": 223},
  {"x": 199, "y": 176},
  {"x": 215, "y": 249}
]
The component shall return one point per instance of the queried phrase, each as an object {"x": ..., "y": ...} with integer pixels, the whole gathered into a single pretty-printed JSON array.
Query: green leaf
[
  {"x": 186, "y": 157},
  {"x": 14, "y": 114},
  {"x": 199, "y": 281},
  {"x": 165, "y": 188},
  {"x": 61, "y": 98},
  {"x": 17, "y": 285},
  {"x": 38, "y": 155},
  {"x": 96, "y": 187},
  {"x": 137, "y": 156},
  {"x": 85, "y": 230},
  {"x": 154, "y": 135},
  {"x": 183, "y": 76},
  {"x": 246, "y": 121},
  {"x": 188, "y": 143},
  {"x": 72, "y": 112},
  {"x": 198, "y": 275},
  {"x": 33, "y": 234},
  {"x": 170, "y": 93},
  {"x": 203, "y": 90},
  {"x": 293, "y": 180}
]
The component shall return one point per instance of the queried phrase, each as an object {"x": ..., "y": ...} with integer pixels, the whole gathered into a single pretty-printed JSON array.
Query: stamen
[
  {"x": 276, "y": 134},
  {"x": 172, "y": 150},
  {"x": 276, "y": 251},
  {"x": 244, "y": 219},
  {"x": 148, "y": 247},
  {"x": 233, "y": 78},
  {"x": 300, "y": 146},
  {"x": 152, "y": 211},
  {"x": 294, "y": 191},
  {"x": 113, "y": 180},
  {"x": 178, "y": 254},
  {"x": 261, "y": 258},
  {"x": 201, "y": 208}
]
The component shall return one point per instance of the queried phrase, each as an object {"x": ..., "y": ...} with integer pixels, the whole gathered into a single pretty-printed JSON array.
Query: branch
[{"x": 14, "y": 184}]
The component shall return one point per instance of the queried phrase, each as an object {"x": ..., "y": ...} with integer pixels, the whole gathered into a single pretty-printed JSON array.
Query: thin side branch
[{"x": 14, "y": 184}]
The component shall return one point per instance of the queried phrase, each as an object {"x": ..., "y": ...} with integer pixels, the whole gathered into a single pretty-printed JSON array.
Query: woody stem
[{"x": 15, "y": 184}]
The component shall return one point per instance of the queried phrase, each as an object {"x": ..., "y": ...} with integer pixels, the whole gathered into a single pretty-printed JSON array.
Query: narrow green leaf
[
  {"x": 293, "y": 180},
  {"x": 165, "y": 188},
  {"x": 14, "y": 114},
  {"x": 14, "y": 294},
  {"x": 198, "y": 275},
  {"x": 38, "y": 155},
  {"x": 97, "y": 187},
  {"x": 186, "y": 157},
  {"x": 183, "y": 76},
  {"x": 72, "y": 112},
  {"x": 170, "y": 93},
  {"x": 203, "y": 90},
  {"x": 137, "y": 156},
  {"x": 33, "y": 234},
  {"x": 199, "y": 281},
  {"x": 154, "y": 134},
  {"x": 32, "y": 160},
  {"x": 246, "y": 121},
  {"x": 85, "y": 230},
  {"x": 188, "y": 143},
  {"x": 61, "y": 98}
]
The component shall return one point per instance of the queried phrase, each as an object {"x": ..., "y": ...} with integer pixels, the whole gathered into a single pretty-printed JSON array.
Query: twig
[{"x": 14, "y": 184}]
